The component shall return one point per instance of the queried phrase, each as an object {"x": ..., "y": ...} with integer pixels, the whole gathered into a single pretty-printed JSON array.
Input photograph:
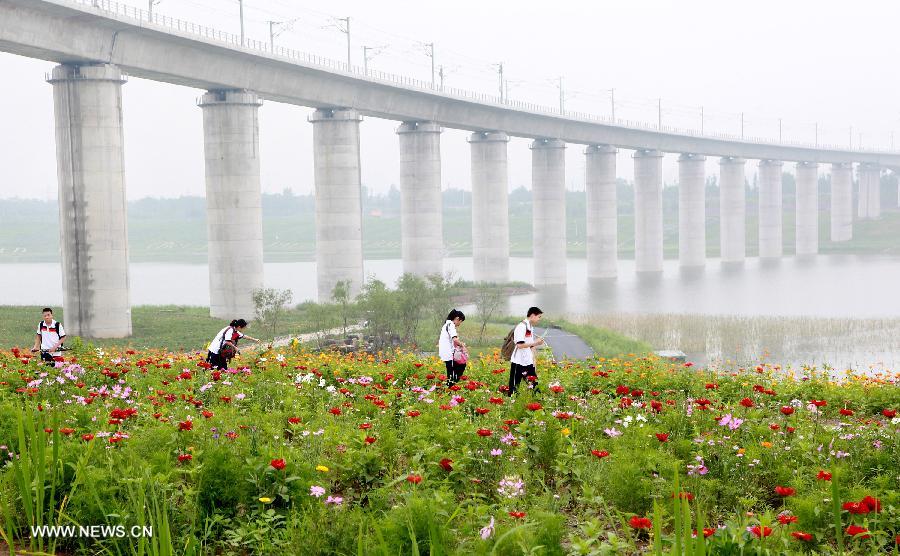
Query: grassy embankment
[{"x": 191, "y": 328}]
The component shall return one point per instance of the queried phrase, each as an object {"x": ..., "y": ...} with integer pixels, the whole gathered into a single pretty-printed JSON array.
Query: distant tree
[
  {"x": 340, "y": 294},
  {"x": 269, "y": 304},
  {"x": 489, "y": 301}
]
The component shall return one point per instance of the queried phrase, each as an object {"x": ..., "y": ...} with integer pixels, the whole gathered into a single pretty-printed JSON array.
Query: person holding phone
[
  {"x": 224, "y": 346},
  {"x": 49, "y": 337},
  {"x": 522, "y": 362}
]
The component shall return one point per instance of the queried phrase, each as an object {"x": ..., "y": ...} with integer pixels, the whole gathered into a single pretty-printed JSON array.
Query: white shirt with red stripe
[{"x": 49, "y": 335}]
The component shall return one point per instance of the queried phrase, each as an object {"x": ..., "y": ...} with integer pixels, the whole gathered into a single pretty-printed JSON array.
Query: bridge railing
[{"x": 193, "y": 30}]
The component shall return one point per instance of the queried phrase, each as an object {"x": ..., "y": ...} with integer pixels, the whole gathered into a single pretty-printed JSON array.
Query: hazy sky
[{"x": 805, "y": 62}]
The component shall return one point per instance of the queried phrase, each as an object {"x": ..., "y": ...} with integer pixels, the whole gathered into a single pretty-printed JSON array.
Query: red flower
[
  {"x": 623, "y": 390},
  {"x": 662, "y": 436},
  {"x": 484, "y": 432},
  {"x": 278, "y": 464},
  {"x": 294, "y": 420},
  {"x": 873, "y": 504},
  {"x": 207, "y": 414},
  {"x": 414, "y": 479},
  {"x": 785, "y": 491},
  {"x": 823, "y": 476},
  {"x": 889, "y": 413},
  {"x": 66, "y": 431},
  {"x": 801, "y": 536},
  {"x": 496, "y": 401},
  {"x": 517, "y": 515},
  {"x": 684, "y": 495},
  {"x": 641, "y": 523},
  {"x": 556, "y": 389},
  {"x": 761, "y": 531},
  {"x": 787, "y": 519},
  {"x": 787, "y": 410},
  {"x": 370, "y": 440},
  {"x": 482, "y": 410},
  {"x": 818, "y": 403},
  {"x": 708, "y": 532},
  {"x": 365, "y": 426},
  {"x": 185, "y": 457},
  {"x": 413, "y": 413},
  {"x": 711, "y": 386},
  {"x": 87, "y": 437},
  {"x": 856, "y": 530},
  {"x": 857, "y": 508},
  {"x": 534, "y": 406},
  {"x": 774, "y": 426},
  {"x": 447, "y": 464},
  {"x": 186, "y": 425},
  {"x": 846, "y": 412},
  {"x": 747, "y": 402},
  {"x": 599, "y": 454},
  {"x": 335, "y": 411}
]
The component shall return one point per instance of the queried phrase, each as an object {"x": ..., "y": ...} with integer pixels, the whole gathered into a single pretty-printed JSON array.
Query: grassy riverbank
[{"x": 181, "y": 328}]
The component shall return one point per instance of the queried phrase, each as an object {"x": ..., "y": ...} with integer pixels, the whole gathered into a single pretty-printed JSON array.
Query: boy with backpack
[
  {"x": 49, "y": 337},
  {"x": 519, "y": 348}
]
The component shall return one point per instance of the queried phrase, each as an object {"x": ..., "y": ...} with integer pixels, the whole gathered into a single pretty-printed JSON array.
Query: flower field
[{"x": 295, "y": 452}]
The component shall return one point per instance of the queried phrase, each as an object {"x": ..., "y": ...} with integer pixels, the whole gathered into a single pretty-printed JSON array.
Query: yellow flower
[
  {"x": 265, "y": 500},
  {"x": 741, "y": 451},
  {"x": 322, "y": 468},
  {"x": 766, "y": 444},
  {"x": 566, "y": 431}
]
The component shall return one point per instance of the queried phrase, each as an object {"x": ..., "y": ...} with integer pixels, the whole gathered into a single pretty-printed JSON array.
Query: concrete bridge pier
[
  {"x": 770, "y": 209},
  {"x": 807, "y": 208},
  {"x": 841, "y": 202},
  {"x": 548, "y": 190},
  {"x": 602, "y": 215},
  {"x": 421, "y": 229},
  {"x": 691, "y": 210},
  {"x": 490, "y": 206},
  {"x": 93, "y": 227},
  {"x": 869, "y": 201},
  {"x": 233, "y": 201},
  {"x": 338, "y": 203},
  {"x": 732, "y": 210},
  {"x": 648, "y": 229}
]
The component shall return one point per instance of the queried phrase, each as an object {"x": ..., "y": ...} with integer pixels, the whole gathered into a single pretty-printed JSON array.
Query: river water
[{"x": 836, "y": 286}]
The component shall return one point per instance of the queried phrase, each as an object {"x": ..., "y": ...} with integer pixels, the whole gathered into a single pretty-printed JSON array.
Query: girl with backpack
[
  {"x": 451, "y": 349},
  {"x": 224, "y": 346}
]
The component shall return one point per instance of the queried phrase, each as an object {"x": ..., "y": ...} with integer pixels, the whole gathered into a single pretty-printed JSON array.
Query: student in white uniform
[
  {"x": 451, "y": 349},
  {"x": 224, "y": 346},
  {"x": 49, "y": 337},
  {"x": 522, "y": 360}
]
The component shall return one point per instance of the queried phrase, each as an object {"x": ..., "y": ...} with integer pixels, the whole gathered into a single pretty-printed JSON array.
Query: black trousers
[
  {"x": 48, "y": 357},
  {"x": 517, "y": 373},
  {"x": 454, "y": 371},
  {"x": 216, "y": 361}
]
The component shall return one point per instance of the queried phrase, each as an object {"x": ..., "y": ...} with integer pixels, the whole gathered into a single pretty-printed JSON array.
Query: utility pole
[
  {"x": 241, "y": 2},
  {"x": 562, "y": 97},
  {"x": 612, "y": 104},
  {"x": 272, "y": 25},
  {"x": 346, "y": 30},
  {"x": 659, "y": 114},
  {"x": 701, "y": 120},
  {"x": 500, "y": 72},
  {"x": 430, "y": 54},
  {"x": 150, "y": 4},
  {"x": 366, "y": 60},
  {"x": 441, "y": 74}
]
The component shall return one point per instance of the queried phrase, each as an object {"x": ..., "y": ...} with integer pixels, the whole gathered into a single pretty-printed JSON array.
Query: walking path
[{"x": 565, "y": 345}]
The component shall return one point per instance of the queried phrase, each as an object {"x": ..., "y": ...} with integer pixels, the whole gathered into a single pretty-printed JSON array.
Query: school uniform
[
  {"x": 50, "y": 335},
  {"x": 445, "y": 352},
  {"x": 227, "y": 334},
  {"x": 522, "y": 360}
]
